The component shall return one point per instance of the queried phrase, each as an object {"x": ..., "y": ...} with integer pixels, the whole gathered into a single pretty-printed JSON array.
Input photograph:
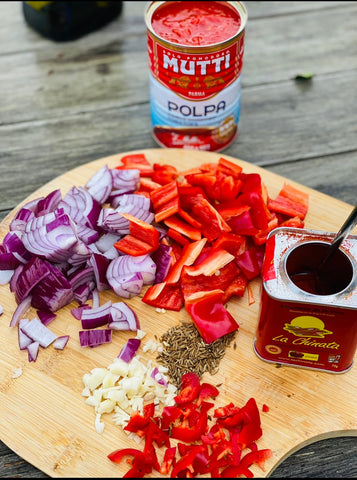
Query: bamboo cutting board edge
[{"x": 302, "y": 409}]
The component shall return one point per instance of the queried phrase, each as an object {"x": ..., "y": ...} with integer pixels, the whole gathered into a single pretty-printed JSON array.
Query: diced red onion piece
[
  {"x": 61, "y": 342},
  {"x": 24, "y": 340},
  {"x": 39, "y": 332},
  {"x": 126, "y": 264},
  {"x": 46, "y": 316},
  {"x": 93, "y": 338},
  {"x": 120, "y": 311},
  {"x": 139, "y": 201},
  {"x": 21, "y": 310},
  {"x": 162, "y": 259},
  {"x": 129, "y": 350},
  {"x": 32, "y": 273},
  {"x": 125, "y": 180},
  {"x": 20, "y": 220},
  {"x": 77, "y": 312},
  {"x": 96, "y": 317},
  {"x": 100, "y": 264},
  {"x": 5, "y": 276},
  {"x": 48, "y": 203},
  {"x": 106, "y": 241},
  {"x": 100, "y": 184},
  {"x": 81, "y": 206},
  {"x": 32, "y": 351},
  {"x": 159, "y": 377}
]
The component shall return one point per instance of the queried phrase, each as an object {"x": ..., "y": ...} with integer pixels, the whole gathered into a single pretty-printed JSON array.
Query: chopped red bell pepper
[
  {"x": 162, "y": 295},
  {"x": 229, "y": 168},
  {"x": 134, "y": 246},
  {"x": 290, "y": 201},
  {"x": 168, "y": 461},
  {"x": 231, "y": 242},
  {"x": 190, "y": 388},
  {"x": 178, "y": 237},
  {"x": 212, "y": 222},
  {"x": 208, "y": 313},
  {"x": 175, "y": 223},
  {"x": 164, "y": 174},
  {"x": 142, "y": 230},
  {"x": 243, "y": 224},
  {"x": 217, "y": 259},
  {"x": 136, "y": 161},
  {"x": 250, "y": 261},
  {"x": 189, "y": 254}
]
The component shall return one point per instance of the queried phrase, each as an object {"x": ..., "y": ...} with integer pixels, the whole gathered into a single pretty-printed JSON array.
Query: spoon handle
[{"x": 341, "y": 235}]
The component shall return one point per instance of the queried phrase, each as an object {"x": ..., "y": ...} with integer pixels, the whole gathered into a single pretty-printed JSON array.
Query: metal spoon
[{"x": 314, "y": 276}]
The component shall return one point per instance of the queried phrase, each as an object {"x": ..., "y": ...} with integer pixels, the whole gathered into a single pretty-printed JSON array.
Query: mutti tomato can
[
  {"x": 195, "y": 52},
  {"x": 307, "y": 321}
]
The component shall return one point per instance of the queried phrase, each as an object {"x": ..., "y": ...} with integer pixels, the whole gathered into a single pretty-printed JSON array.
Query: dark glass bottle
[{"x": 64, "y": 21}]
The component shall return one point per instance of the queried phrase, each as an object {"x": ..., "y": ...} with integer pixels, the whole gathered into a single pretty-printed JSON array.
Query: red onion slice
[
  {"x": 96, "y": 317},
  {"x": 61, "y": 342},
  {"x": 21, "y": 310},
  {"x": 121, "y": 312},
  {"x": 100, "y": 184},
  {"x": 24, "y": 340},
  {"x": 93, "y": 338},
  {"x": 129, "y": 350},
  {"x": 39, "y": 332},
  {"x": 32, "y": 351}
]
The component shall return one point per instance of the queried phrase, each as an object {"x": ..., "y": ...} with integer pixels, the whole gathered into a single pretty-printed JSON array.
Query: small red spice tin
[
  {"x": 195, "y": 83},
  {"x": 301, "y": 326}
]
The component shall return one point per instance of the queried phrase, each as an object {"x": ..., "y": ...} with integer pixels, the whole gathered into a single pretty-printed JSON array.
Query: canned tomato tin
[
  {"x": 195, "y": 52},
  {"x": 305, "y": 323}
]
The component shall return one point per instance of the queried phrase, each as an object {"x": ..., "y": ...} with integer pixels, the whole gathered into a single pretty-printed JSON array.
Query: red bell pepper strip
[
  {"x": 142, "y": 230},
  {"x": 192, "y": 432},
  {"x": 189, "y": 219},
  {"x": 216, "y": 260},
  {"x": 174, "y": 222},
  {"x": 117, "y": 455},
  {"x": 250, "y": 262},
  {"x": 231, "y": 242},
  {"x": 208, "y": 313},
  {"x": 236, "y": 287},
  {"x": 229, "y": 168},
  {"x": 230, "y": 209},
  {"x": 133, "y": 246},
  {"x": 177, "y": 236},
  {"x": 164, "y": 174},
  {"x": 291, "y": 202},
  {"x": 162, "y": 295},
  {"x": 212, "y": 222},
  {"x": 164, "y": 194},
  {"x": 189, "y": 254},
  {"x": 190, "y": 388},
  {"x": 137, "y": 161},
  {"x": 243, "y": 224},
  {"x": 168, "y": 461}
]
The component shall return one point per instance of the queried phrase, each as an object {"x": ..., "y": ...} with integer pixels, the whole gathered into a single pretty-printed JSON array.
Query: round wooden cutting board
[{"x": 44, "y": 417}]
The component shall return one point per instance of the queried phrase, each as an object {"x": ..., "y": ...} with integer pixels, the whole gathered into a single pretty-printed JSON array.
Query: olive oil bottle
[{"x": 64, "y": 21}]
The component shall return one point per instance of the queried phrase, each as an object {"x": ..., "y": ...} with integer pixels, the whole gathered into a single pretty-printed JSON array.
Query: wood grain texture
[
  {"x": 44, "y": 406},
  {"x": 63, "y": 105}
]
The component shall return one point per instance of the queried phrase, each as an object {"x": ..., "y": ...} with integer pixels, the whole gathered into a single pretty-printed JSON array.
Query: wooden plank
[{"x": 302, "y": 402}]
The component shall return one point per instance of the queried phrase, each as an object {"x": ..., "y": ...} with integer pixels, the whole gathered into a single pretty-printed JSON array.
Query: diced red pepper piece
[
  {"x": 259, "y": 210},
  {"x": 192, "y": 431},
  {"x": 142, "y": 230},
  {"x": 231, "y": 242},
  {"x": 229, "y": 168},
  {"x": 117, "y": 455},
  {"x": 184, "y": 466},
  {"x": 204, "y": 180},
  {"x": 216, "y": 260},
  {"x": 164, "y": 174},
  {"x": 236, "y": 287},
  {"x": 164, "y": 194},
  {"x": 189, "y": 219},
  {"x": 250, "y": 262},
  {"x": 212, "y": 222},
  {"x": 230, "y": 209},
  {"x": 189, "y": 254},
  {"x": 167, "y": 209},
  {"x": 243, "y": 224},
  {"x": 291, "y": 202},
  {"x": 259, "y": 457},
  {"x": 208, "y": 313},
  {"x": 168, "y": 461},
  {"x": 175, "y": 223},
  {"x": 227, "y": 276},
  {"x": 178, "y": 237},
  {"x": 165, "y": 296},
  {"x": 190, "y": 195},
  {"x": 147, "y": 185},
  {"x": 134, "y": 246},
  {"x": 136, "y": 161},
  {"x": 295, "y": 222},
  {"x": 189, "y": 389}
]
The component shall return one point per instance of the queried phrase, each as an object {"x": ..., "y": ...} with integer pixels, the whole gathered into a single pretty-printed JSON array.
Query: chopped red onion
[
  {"x": 121, "y": 312},
  {"x": 32, "y": 273},
  {"x": 48, "y": 203},
  {"x": 125, "y": 180},
  {"x": 39, "y": 332},
  {"x": 61, "y": 342},
  {"x": 81, "y": 206},
  {"x": 129, "y": 350},
  {"x": 77, "y": 312},
  {"x": 93, "y": 338},
  {"x": 5, "y": 276},
  {"x": 96, "y": 317},
  {"x": 24, "y": 340},
  {"x": 21, "y": 310},
  {"x": 162, "y": 258},
  {"x": 46, "y": 316},
  {"x": 32, "y": 351},
  {"x": 100, "y": 184},
  {"x": 100, "y": 264},
  {"x": 20, "y": 220}
]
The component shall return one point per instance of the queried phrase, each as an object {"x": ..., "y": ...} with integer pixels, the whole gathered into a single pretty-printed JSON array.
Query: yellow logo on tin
[{"x": 307, "y": 326}]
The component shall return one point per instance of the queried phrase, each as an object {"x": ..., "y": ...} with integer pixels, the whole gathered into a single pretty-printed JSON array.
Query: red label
[{"x": 196, "y": 76}]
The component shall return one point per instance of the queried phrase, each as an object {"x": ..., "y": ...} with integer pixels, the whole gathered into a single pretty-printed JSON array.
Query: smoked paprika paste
[{"x": 195, "y": 52}]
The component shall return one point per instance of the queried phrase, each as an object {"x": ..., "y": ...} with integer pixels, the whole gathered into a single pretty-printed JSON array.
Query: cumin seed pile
[{"x": 184, "y": 351}]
